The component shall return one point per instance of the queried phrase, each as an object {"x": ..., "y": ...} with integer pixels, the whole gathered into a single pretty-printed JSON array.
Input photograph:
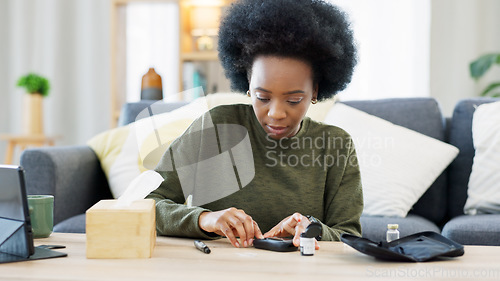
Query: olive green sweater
[{"x": 314, "y": 173}]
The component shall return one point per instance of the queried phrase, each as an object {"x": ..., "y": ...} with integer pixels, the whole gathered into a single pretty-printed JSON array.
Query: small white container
[
  {"x": 307, "y": 246},
  {"x": 392, "y": 232}
]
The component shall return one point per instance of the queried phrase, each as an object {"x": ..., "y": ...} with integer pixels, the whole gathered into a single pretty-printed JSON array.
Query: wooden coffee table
[{"x": 178, "y": 259}]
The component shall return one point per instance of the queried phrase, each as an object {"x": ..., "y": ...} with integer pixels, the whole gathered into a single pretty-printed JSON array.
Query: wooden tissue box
[{"x": 125, "y": 232}]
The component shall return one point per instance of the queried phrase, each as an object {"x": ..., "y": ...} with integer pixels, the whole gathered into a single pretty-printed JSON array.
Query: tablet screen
[{"x": 15, "y": 235}]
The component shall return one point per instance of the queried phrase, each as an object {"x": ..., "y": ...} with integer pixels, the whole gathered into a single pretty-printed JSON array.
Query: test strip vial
[
  {"x": 392, "y": 232},
  {"x": 307, "y": 246}
]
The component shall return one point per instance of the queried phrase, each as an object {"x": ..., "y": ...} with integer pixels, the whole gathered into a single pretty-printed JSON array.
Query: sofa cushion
[
  {"x": 483, "y": 194},
  {"x": 74, "y": 224},
  {"x": 130, "y": 111},
  {"x": 474, "y": 230},
  {"x": 71, "y": 173},
  {"x": 460, "y": 136},
  {"x": 122, "y": 151},
  {"x": 397, "y": 164},
  {"x": 424, "y": 116},
  {"x": 375, "y": 228}
]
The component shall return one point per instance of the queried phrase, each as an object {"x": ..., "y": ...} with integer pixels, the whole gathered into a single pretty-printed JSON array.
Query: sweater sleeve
[
  {"x": 173, "y": 217},
  {"x": 197, "y": 143},
  {"x": 344, "y": 198}
]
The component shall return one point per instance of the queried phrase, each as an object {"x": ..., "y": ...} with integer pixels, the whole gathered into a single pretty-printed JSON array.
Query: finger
[
  {"x": 238, "y": 227},
  {"x": 248, "y": 228},
  {"x": 258, "y": 232},
  {"x": 272, "y": 232},
  {"x": 275, "y": 230},
  {"x": 298, "y": 217},
  {"x": 316, "y": 244},
  {"x": 287, "y": 230},
  {"x": 290, "y": 225},
  {"x": 296, "y": 239},
  {"x": 284, "y": 228},
  {"x": 299, "y": 229},
  {"x": 228, "y": 232}
]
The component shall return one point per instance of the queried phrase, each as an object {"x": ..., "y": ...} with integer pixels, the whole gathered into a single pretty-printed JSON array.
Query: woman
[{"x": 286, "y": 55}]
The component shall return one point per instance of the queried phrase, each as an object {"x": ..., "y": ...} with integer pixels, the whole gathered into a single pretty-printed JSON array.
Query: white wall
[{"x": 462, "y": 30}]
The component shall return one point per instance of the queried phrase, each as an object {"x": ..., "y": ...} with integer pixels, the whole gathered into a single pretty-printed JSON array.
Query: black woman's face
[{"x": 281, "y": 89}]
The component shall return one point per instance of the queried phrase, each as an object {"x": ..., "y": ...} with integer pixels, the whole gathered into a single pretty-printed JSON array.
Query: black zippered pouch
[{"x": 418, "y": 247}]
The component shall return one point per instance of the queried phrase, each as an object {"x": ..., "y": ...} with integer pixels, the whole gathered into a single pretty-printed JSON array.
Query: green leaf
[
  {"x": 490, "y": 88},
  {"x": 482, "y": 64},
  {"x": 34, "y": 83}
]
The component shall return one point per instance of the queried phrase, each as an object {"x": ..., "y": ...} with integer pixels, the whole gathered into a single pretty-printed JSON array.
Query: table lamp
[{"x": 205, "y": 24}]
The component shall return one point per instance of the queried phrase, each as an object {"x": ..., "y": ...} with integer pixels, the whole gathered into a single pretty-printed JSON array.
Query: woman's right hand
[{"x": 231, "y": 223}]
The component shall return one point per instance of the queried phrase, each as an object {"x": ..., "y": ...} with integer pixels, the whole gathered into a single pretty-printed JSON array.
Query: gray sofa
[{"x": 74, "y": 176}]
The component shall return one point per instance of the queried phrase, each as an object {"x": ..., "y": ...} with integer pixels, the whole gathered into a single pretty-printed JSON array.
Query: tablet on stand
[{"x": 16, "y": 237}]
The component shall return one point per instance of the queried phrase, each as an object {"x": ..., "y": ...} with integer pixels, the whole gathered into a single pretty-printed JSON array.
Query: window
[
  {"x": 393, "y": 39},
  {"x": 152, "y": 40}
]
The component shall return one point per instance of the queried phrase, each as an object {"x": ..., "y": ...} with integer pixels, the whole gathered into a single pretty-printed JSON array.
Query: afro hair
[{"x": 311, "y": 30}]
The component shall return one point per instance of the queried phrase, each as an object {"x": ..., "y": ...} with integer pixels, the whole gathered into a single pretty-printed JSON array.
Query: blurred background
[{"x": 95, "y": 53}]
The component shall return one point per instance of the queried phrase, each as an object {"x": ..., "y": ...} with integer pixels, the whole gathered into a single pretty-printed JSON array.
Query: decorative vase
[
  {"x": 151, "y": 88},
  {"x": 33, "y": 114}
]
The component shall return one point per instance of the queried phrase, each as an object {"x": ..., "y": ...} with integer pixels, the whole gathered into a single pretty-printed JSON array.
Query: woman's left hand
[{"x": 293, "y": 225}]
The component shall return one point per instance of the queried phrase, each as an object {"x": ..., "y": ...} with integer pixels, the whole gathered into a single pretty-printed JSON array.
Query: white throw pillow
[
  {"x": 484, "y": 182},
  {"x": 121, "y": 151},
  {"x": 397, "y": 164}
]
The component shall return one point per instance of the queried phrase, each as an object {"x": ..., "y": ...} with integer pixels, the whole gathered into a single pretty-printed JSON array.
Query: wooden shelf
[
  {"x": 200, "y": 56},
  {"x": 188, "y": 53}
]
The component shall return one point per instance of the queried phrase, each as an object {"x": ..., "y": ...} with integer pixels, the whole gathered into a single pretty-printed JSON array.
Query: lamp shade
[{"x": 205, "y": 20}]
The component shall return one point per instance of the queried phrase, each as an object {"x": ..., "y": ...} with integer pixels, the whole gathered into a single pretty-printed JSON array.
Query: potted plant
[
  {"x": 36, "y": 87},
  {"x": 479, "y": 67}
]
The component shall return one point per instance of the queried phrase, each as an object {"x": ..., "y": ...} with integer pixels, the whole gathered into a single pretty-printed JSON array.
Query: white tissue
[
  {"x": 189, "y": 201},
  {"x": 139, "y": 188}
]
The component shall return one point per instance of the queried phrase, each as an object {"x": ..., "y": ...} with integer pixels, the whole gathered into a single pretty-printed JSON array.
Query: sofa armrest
[{"x": 72, "y": 174}]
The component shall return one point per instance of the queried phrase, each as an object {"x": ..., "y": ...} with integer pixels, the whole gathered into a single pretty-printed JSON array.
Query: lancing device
[{"x": 202, "y": 246}]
